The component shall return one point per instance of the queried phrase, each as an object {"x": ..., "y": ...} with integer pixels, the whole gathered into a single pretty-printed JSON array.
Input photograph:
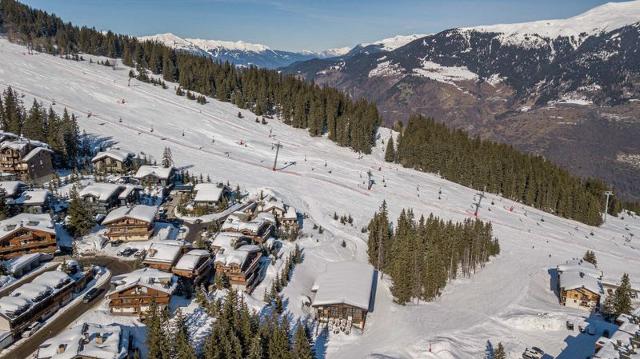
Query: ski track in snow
[{"x": 501, "y": 302}]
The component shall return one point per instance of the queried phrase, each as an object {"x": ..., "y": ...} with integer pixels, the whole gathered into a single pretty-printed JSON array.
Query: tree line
[
  {"x": 427, "y": 145},
  {"x": 265, "y": 92},
  {"x": 422, "y": 255},
  {"x": 236, "y": 334},
  {"x": 41, "y": 124}
]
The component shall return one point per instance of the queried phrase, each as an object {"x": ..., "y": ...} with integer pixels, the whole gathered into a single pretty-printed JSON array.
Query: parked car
[
  {"x": 533, "y": 353},
  {"x": 92, "y": 294},
  {"x": 127, "y": 252},
  {"x": 140, "y": 254},
  {"x": 31, "y": 329}
]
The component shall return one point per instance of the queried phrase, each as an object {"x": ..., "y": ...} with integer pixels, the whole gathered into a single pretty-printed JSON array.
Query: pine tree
[
  {"x": 181, "y": 342},
  {"x": 590, "y": 257},
  {"x": 255, "y": 351},
  {"x": 81, "y": 219},
  {"x": 301, "y": 345},
  {"x": 156, "y": 341},
  {"x": 622, "y": 297},
  {"x": 167, "y": 158},
  {"x": 390, "y": 152},
  {"x": 500, "y": 352}
]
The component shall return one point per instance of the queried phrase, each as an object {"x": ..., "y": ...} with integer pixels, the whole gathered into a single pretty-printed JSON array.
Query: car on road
[
  {"x": 140, "y": 254},
  {"x": 31, "y": 329},
  {"x": 533, "y": 353},
  {"x": 127, "y": 252},
  {"x": 92, "y": 294}
]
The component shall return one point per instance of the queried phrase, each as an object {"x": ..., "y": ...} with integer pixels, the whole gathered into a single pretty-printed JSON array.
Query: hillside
[
  {"x": 559, "y": 88},
  {"x": 509, "y": 300}
]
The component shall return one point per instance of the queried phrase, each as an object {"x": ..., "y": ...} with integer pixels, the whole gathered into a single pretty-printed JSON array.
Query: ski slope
[{"x": 509, "y": 300}]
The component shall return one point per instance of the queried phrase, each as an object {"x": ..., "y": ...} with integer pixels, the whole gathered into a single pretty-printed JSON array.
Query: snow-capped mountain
[
  {"x": 556, "y": 72},
  {"x": 241, "y": 53}
]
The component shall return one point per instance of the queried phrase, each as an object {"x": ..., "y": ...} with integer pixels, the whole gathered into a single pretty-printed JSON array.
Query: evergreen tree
[
  {"x": 590, "y": 257},
  {"x": 157, "y": 344},
  {"x": 390, "y": 152},
  {"x": 500, "y": 352},
  {"x": 81, "y": 219},
  {"x": 301, "y": 343},
  {"x": 622, "y": 297},
  {"x": 181, "y": 342},
  {"x": 167, "y": 158}
]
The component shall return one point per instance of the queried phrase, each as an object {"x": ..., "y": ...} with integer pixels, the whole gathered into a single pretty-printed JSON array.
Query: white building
[{"x": 87, "y": 340}]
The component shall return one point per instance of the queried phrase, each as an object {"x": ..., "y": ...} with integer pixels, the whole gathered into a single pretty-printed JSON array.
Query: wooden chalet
[
  {"x": 27, "y": 233},
  {"x": 579, "y": 285},
  {"x": 30, "y": 161},
  {"x": 34, "y": 201},
  {"x": 130, "y": 223},
  {"x": 210, "y": 194},
  {"x": 343, "y": 295},
  {"x": 113, "y": 160},
  {"x": 132, "y": 293},
  {"x": 101, "y": 197},
  {"x": 290, "y": 219},
  {"x": 195, "y": 265},
  {"x": 88, "y": 341},
  {"x": 155, "y": 176},
  {"x": 241, "y": 266},
  {"x": 259, "y": 229},
  {"x": 163, "y": 255}
]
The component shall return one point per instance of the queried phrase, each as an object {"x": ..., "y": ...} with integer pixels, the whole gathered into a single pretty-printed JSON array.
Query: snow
[
  {"x": 190, "y": 260},
  {"x": 344, "y": 283},
  {"x": 147, "y": 277},
  {"x": 513, "y": 288},
  {"x": 55, "y": 278},
  {"x": 82, "y": 341},
  {"x": 37, "y": 222},
  {"x": 445, "y": 74},
  {"x": 34, "y": 152},
  {"x": 33, "y": 197},
  {"x": 140, "y": 212},
  {"x": 163, "y": 252},
  {"x": 11, "y": 187},
  {"x": 101, "y": 191},
  {"x": 602, "y": 18},
  {"x": 16, "y": 264},
  {"x": 235, "y": 256},
  {"x": 114, "y": 153},
  {"x": 208, "y": 192},
  {"x": 386, "y": 69},
  {"x": 156, "y": 171},
  {"x": 392, "y": 43}
]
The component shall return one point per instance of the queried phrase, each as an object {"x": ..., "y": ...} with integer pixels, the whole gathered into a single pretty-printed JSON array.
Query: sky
[{"x": 303, "y": 24}]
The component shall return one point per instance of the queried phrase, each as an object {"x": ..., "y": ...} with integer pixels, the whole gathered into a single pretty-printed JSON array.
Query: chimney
[
  {"x": 100, "y": 338},
  {"x": 62, "y": 348}
]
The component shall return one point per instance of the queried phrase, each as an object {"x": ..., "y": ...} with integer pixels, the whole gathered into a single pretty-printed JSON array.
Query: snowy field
[{"x": 510, "y": 300}]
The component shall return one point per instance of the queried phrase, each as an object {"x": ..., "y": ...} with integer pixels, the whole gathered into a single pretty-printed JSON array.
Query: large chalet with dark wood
[
  {"x": 579, "y": 284},
  {"x": 29, "y": 160},
  {"x": 163, "y": 255},
  {"x": 101, "y": 197},
  {"x": 27, "y": 233},
  {"x": 343, "y": 295},
  {"x": 259, "y": 228},
  {"x": 132, "y": 293},
  {"x": 113, "y": 160},
  {"x": 195, "y": 265},
  {"x": 241, "y": 266},
  {"x": 155, "y": 175},
  {"x": 130, "y": 223}
]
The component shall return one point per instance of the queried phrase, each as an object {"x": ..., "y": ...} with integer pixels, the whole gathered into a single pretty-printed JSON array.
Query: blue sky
[{"x": 302, "y": 24}]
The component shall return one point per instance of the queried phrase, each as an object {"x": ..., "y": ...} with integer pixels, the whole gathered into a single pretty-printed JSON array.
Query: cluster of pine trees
[
  {"x": 265, "y": 92},
  {"x": 40, "y": 124},
  {"x": 429, "y": 146},
  {"x": 237, "y": 333},
  {"x": 422, "y": 255}
]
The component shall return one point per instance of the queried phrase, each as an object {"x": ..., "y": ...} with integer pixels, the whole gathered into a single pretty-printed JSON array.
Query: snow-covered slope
[
  {"x": 239, "y": 52},
  {"x": 603, "y": 18},
  {"x": 394, "y": 42},
  {"x": 509, "y": 300}
]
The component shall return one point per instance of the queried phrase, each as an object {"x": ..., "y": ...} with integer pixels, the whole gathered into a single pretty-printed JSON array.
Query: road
[{"x": 26, "y": 348}]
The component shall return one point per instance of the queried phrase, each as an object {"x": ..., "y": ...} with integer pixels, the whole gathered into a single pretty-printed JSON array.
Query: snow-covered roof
[
  {"x": 38, "y": 222},
  {"x": 266, "y": 216},
  {"x": 33, "y": 292},
  {"x": 15, "y": 264},
  {"x": 147, "y": 277},
  {"x": 190, "y": 260},
  {"x": 580, "y": 265},
  {"x": 165, "y": 252},
  {"x": 128, "y": 188},
  {"x": 620, "y": 340},
  {"x": 11, "y": 305},
  {"x": 33, "y": 197},
  {"x": 290, "y": 214},
  {"x": 113, "y": 153},
  {"x": 24, "y": 296},
  {"x": 54, "y": 278},
  {"x": 102, "y": 191},
  {"x": 156, "y": 171},
  {"x": 87, "y": 340},
  {"x": 236, "y": 256},
  {"x": 235, "y": 224},
  {"x": 34, "y": 152},
  {"x": 228, "y": 240},
  {"x": 576, "y": 279},
  {"x": 344, "y": 283},
  {"x": 140, "y": 212},
  {"x": 208, "y": 192},
  {"x": 11, "y": 187}
]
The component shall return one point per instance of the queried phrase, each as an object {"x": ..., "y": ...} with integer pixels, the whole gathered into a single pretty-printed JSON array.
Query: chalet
[
  {"x": 163, "y": 255},
  {"x": 27, "y": 233},
  {"x": 88, "y": 341},
  {"x": 133, "y": 292},
  {"x": 113, "y": 160},
  {"x": 129, "y": 195},
  {"x": 12, "y": 189},
  {"x": 272, "y": 205},
  {"x": 210, "y": 194},
  {"x": 101, "y": 197},
  {"x": 195, "y": 264},
  {"x": 130, "y": 223},
  {"x": 241, "y": 266},
  {"x": 21, "y": 265},
  {"x": 34, "y": 201},
  {"x": 231, "y": 240},
  {"x": 579, "y": 284},
  {"x": 343, "y": 295},
  {"x": 38, "y": 299},
  {"x": 624, "y": 341},
  {"x": 259, "y": 229},
  {"x": 290, "y": 219},
  {"x": 29, "y": 160},
  {"x": 155, "y": 175}
]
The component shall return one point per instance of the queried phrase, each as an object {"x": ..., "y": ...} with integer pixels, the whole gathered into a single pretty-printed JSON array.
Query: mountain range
[{"x": 567, "y": 89}]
